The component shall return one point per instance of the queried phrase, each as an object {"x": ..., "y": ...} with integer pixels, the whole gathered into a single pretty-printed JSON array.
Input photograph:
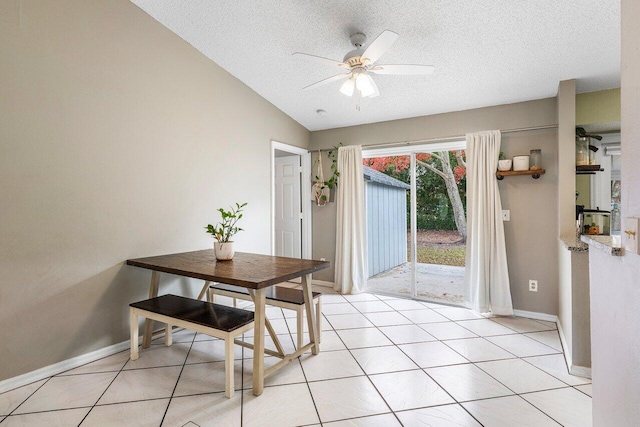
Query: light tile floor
[{"x": 384, "y": 361}]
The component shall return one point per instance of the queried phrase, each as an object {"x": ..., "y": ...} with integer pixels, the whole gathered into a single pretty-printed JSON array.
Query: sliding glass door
[{"x": 416, "y": 221}]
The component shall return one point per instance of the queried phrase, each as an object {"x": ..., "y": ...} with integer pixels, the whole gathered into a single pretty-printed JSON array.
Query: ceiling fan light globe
[
  {"x": 348, "y": 87},
  {"x": 364, "y": 84}
]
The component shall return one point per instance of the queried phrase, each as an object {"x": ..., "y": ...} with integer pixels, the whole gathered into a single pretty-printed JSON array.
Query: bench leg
[
  {"x": 168, "y": 337},
  {"x": 229, "y": 364},
  {"x": 148, "y": 324},
  {"x": 133, "y": 326},
  {"x": 319, "y": 318},
  {"x": 300, "y": 327}
]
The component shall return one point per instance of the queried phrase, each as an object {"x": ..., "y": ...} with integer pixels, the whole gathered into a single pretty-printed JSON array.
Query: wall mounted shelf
[
  {"x": 588, "y": 169},
  {"x": 534, "y": 174}
]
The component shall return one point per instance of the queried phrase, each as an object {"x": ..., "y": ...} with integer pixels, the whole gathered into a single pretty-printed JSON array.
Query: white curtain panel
[
  {"x": 351, "y": 228},
  {"x": 487, "y": 274}
]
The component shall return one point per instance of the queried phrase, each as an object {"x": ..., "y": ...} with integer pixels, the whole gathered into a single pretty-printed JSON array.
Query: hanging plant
[{"x": 322, "y": 188}]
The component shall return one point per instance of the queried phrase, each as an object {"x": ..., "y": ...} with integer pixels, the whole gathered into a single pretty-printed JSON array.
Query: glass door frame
[{"x": 411, "y": 151}]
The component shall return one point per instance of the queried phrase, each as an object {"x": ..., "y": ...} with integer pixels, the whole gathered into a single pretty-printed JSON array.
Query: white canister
[{"x": 521, "y": 163}]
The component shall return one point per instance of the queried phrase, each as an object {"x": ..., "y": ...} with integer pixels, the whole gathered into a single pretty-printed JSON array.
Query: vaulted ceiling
[{"x": 486, "y": 52}]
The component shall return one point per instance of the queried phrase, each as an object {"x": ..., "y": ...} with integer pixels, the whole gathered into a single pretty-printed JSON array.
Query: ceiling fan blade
[
  {"x": 407, "y": 70},
  {"x": 379, "y": 46},
  {"x": 325, "y": 61},
  {"x": 327, "y": 81}
]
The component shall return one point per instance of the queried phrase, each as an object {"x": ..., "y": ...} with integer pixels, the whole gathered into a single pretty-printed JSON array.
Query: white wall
[
  {"x": 117, "y": 140},
  {"x": 615, "y": 281}
]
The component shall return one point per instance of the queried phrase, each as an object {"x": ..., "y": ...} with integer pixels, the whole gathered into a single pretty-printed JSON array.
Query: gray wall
[
  {"x": 117, "y": 140},
  {"x": 532, "y": 233},
  {"x": 615, "y": 281},
  {"x": 386, "y": 227}
]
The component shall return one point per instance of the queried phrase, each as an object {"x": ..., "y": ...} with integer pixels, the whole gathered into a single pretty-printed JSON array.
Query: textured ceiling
[{"x": 486, "y": 52}]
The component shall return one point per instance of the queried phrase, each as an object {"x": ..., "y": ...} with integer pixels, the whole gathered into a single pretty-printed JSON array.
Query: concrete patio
[{"x": 437, "y": 283}]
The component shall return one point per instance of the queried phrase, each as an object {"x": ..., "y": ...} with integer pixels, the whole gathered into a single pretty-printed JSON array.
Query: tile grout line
[
  {"x": 365, "y": 374},
  {"x": 178, "y": 380},
  {"x": 27, "y": 398},
  {"x": 104, "y": 391}
]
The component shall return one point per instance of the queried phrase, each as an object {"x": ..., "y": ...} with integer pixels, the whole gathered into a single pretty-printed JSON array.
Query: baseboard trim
[
  {"x": 580, "y": 371},
  {"x": 65, "y": 365},
  {"x": 565, "y": 347},
  {"x": 536, "y": 316},
  {"x": 323, "y": 283}
]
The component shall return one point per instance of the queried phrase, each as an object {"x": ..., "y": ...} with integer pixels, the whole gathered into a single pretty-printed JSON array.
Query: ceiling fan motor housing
[{"x": 353, "y": 58}]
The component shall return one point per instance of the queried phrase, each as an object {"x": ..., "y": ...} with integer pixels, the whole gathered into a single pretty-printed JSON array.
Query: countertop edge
[
  {"x": 573, "y": 244},
  {"x": 607, "y": 244}
]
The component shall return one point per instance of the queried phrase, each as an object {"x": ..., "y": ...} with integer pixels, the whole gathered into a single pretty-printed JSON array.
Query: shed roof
[{"x": 384, "y": 179}]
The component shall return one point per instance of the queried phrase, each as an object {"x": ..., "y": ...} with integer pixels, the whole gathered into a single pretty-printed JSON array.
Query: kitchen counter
[
  {"x": 574, "y": 244},
  {"x": 611, "y": 245}
]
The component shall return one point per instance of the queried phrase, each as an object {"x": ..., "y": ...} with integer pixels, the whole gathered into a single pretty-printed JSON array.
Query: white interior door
[{"x": 288, "y": 217}]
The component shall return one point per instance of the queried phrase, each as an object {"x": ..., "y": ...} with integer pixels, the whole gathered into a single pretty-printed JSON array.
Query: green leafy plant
[
  {"x": 333, "y": 156},
  {"x": 225, "y": 229},
  {"x": 501, "y": 156},
  {"x": 332, "y": 182}
]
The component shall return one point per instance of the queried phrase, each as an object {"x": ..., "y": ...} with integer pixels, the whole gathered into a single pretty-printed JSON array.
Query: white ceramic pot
[
  {"x": 504, "y": 165},
  {"x": 521, "y": 163},
  {"x": 224, "y": 251}
]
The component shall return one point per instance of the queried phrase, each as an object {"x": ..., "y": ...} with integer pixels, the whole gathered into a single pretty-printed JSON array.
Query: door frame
[
  {"x": 305, "y": 194},
  {"x": 411, "y": 151}
]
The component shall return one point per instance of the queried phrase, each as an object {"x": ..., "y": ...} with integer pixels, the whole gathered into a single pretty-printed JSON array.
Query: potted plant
[
  {"x": 225, "y": 230},
  {"x": 503, "y": 163}
]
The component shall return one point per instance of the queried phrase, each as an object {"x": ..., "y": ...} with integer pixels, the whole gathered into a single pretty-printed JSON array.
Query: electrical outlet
[
  {"x": 506, "y": 215},
  {"x": 533, "y": 285}
]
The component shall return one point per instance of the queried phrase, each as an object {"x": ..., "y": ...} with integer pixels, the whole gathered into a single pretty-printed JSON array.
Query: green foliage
[
  {"x": 333, "y": 180},
  {"x": 225, "y": 229},
  {"x": 333, "y": 156},
  {"x": 434, "y": 210}
]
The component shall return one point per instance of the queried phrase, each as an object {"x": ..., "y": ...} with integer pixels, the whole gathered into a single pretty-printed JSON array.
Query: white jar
[{"x": 521, "y": 163}]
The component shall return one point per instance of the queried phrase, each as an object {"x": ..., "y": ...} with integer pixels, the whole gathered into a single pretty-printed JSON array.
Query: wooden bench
[
  {"x": 277, "y": 296},
  {"x": 215, "y": 320}
]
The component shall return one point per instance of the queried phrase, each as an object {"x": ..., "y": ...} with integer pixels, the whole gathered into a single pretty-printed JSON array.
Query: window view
[{"x": 437, "y": 212}]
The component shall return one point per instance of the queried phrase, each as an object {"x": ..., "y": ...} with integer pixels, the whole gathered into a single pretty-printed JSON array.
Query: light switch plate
[
  {"x": 631, "y": 227},
  {"x": 506, "y": 215}
]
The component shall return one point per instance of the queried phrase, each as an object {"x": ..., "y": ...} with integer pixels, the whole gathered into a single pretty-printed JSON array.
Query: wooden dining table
[{"x": 255, "y": 272}]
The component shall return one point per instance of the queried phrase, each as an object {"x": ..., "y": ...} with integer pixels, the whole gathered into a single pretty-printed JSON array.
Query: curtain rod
[{"x": 440, "y": 139}]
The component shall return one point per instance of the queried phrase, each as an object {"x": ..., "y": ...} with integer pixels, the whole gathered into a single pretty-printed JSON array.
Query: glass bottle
[
  {"x": 582, "y": 151},
  {"x": 535, "y": 160}
]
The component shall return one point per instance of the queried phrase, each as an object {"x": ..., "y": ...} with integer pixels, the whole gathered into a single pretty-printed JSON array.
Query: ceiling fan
[{"x": 359, "y": 65}]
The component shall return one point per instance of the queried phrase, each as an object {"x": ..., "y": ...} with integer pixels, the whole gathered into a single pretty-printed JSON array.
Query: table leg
[
  {"x": 204, "y": 290},
  {"x": 267, "y": 324},
  {"x": 258, "y": 341},
  {"x": 148, "y": 324},
  {"x": 311, "y": 318}
]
